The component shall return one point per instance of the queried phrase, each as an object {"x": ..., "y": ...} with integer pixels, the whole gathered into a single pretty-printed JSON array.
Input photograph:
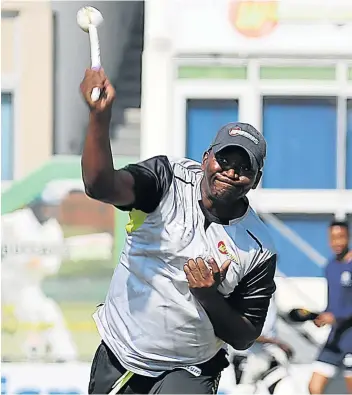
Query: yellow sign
[
  {"x": 258, "y": 18},
  {"x": 254, "y": 18}
]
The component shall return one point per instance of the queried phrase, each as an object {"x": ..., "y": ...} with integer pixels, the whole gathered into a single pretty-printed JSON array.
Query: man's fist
[
  {"x": 97, "y": 79},
  {"x": 199, "y": 276}
]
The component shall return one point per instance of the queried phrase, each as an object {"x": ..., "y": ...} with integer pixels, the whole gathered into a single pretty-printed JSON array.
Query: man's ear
[
  {"x": 205, "y": 158},
  {"x": 256, "y": 182}
]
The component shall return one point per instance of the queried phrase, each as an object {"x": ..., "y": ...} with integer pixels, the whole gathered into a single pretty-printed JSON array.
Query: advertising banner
[
  {"x": 258, "y": 26},
  {"x": 72, "y": 379},
  {"x": 40, "y": 378}
]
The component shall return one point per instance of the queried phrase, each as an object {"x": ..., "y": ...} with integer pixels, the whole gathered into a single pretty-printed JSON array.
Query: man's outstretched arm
[
  {"x": 101, "y": 180},
  {"x": 140, "y": 186}
]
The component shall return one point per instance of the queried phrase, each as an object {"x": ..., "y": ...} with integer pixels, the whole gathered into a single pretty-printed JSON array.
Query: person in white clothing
[
  {"x": 197, "y": 269},
  {"x": 267, "y": 353},
  {"x": 32, "y": 251}
]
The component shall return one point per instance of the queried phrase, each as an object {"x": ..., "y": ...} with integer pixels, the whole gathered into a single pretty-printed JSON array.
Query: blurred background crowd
[{"x": 182, "y": 69}]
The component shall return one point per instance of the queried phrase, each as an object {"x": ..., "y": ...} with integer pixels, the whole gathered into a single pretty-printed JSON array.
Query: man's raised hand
[{"x": 97, "y": 78}]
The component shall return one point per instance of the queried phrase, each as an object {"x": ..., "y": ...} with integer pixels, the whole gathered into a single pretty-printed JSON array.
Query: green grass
[{"x": 79, "y": 319}]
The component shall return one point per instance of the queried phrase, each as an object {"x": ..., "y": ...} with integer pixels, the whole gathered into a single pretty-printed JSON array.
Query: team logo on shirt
[
  {"x": 346, "y": 280},
  {"x": 223, "y": 250}
]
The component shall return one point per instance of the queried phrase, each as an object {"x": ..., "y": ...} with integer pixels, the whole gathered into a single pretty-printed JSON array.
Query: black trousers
[{"x": 106, "y": 369}]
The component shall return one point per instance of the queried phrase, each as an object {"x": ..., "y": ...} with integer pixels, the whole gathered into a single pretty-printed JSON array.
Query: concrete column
[{"x": 157, "y": 77}]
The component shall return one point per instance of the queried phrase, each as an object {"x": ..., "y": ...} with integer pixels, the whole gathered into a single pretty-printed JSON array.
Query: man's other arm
[{"x": 239, "y": 319}]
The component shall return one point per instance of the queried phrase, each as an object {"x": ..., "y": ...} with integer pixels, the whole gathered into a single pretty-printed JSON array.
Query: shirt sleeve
[
  {"x": 152, "y": 180},
  {"x": 253, "y": 294},
  {"x": 328, "y": 289}
]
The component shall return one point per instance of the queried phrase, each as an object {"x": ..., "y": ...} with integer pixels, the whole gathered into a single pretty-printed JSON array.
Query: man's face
[
  {"x": 338, "y": 238},
  {"x": 228, "y": 175}
]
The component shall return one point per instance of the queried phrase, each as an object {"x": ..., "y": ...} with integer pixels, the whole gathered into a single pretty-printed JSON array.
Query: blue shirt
[{"x": 339, "y": 278}]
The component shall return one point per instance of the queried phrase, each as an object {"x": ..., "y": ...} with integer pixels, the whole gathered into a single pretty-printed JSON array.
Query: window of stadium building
[
  {"x": 302, "y": 142},
  {"x": 7, "y": 136},
  {"x": 349, "y": 145},
  {"x": 204, "y": 118}
]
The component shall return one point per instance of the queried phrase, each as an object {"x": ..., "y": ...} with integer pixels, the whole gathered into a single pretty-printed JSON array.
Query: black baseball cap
[{"x": 244, "y": 135}]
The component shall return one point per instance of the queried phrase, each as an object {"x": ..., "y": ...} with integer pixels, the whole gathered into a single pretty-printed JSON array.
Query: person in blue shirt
[{"x": 337, "y": 352}]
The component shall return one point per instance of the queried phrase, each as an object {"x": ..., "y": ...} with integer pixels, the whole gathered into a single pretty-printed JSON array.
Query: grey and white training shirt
[{"x": 150, "y": 319}]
